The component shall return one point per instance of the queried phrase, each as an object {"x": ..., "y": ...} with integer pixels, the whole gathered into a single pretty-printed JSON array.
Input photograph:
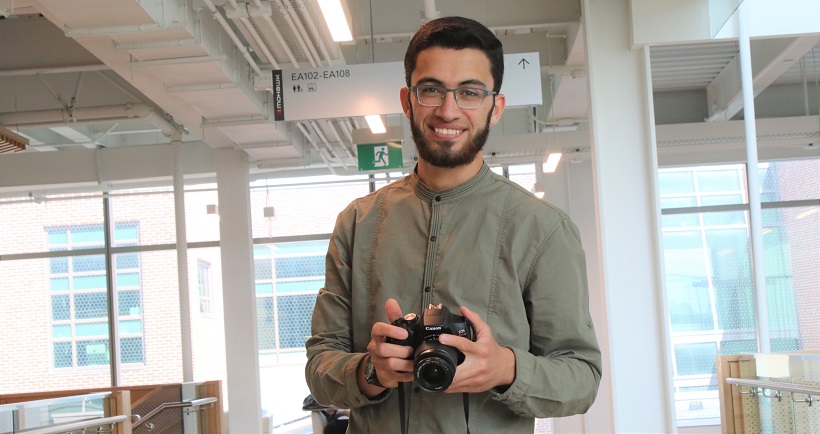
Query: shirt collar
[{"x": 428, "y": 194}]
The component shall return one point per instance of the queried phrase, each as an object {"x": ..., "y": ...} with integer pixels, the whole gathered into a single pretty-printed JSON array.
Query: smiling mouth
[{"x": 447, "y": 131}]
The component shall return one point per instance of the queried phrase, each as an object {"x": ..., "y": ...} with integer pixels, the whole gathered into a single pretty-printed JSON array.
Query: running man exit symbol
[
  {"x": 380, "y": 156},
  {"x": 377, "y": 156}
]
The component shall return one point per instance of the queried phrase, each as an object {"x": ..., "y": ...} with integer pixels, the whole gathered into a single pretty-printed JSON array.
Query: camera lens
[
  {"x": 435, "y": 366},
  {"x": 433, "y": 373}
]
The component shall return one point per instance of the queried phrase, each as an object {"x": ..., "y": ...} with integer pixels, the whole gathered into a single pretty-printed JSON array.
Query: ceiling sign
[{"x": 367, "y": 89}]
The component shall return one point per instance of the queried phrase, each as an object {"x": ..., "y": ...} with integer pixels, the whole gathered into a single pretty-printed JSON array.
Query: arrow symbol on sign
[{"x": 523, "y": 63}]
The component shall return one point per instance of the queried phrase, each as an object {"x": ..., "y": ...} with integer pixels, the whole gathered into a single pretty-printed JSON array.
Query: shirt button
[
  {"x": 417, "y": 389},
  {"x": 438, "y": 198},
  {"x": 433, "y": 238},
  {"x": 427, "y": 289}
]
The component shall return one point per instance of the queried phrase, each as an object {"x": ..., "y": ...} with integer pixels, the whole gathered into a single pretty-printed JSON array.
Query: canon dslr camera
[{"x": 434, "y": 363}]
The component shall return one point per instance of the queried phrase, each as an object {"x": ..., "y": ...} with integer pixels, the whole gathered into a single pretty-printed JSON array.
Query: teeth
[{"x": 448, "y": 131}]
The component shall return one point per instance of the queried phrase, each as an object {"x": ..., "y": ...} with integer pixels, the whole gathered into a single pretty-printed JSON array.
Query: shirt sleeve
[
  {"x": 560, "y": 373},
  {"x": 332, "y": 365}
]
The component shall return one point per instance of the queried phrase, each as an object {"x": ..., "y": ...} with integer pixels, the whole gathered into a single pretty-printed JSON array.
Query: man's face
[{"x": 447, "y": 135}]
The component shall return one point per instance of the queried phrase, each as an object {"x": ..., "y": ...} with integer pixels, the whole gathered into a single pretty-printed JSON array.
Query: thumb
[{"x": 393, "y": 310}]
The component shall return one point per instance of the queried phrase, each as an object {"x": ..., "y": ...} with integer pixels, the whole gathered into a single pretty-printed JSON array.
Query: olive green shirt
[{"x": 487, "y": 244}]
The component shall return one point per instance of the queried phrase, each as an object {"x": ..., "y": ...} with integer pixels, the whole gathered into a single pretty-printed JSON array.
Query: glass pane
[
  {"x": 89, "y": 282},
  {"x": 31, "y": 227},
  {"x": 718, "y": 180},
  {"x": 789, "y": 180},
  {"x": 301, "y": 286},
  {"x": 687, "y": 282},
  {"x": 672, "y": 181},
  {"x": 208, "y": 337},
  {"x": 318, "y": 206},
  {"x": 91, "y": 329},
  {"x": 264, "y": 288},
  {"x": 127, "y": 260},
  {"x": 199, "y": 225},
  {"x": 128, "y": 280},
  {"x": 59, "y": 265},
  {"x": 59, "y": 284},
  {"x": 94, "y": 305},
  {"x": 61, "y": 331},
  {"x": 149, "y": 311},
  {"x": 93, "y": 353},
  {"x": 60, "y": 308},
  {"x": 295, "y": 312},
  {"x": 304, "y": 266},
  {"x": 696, "y": 359},
  {"x": 87, "y": 235},
  {"x": 130, "y": 327},
  {"x": 129, "y": 303},
  {"x": 725, "y": 218},
  {"x": 131, "y": 350},
  {"x": 265, "y": 323},
  {"x": 263, "y": 269},
  {"x": 143, "y": 216},
  {"x": 63, "y": 355},
  {"x": 82, "y": 264}
]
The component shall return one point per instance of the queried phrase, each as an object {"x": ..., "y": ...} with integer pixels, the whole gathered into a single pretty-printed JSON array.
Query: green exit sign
[{"x": 377, "y": 156}]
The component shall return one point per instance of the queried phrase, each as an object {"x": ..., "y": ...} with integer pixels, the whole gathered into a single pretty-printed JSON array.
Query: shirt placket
[{"x": 433, "y": 241}]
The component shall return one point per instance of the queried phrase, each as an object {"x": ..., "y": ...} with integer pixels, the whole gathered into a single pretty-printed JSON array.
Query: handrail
[
  {"x": 776, "y": 385},
  {"x": 167, "y": 405},
  {"x": 73, "y": 426},
  {"x": 53, "y": 401}
]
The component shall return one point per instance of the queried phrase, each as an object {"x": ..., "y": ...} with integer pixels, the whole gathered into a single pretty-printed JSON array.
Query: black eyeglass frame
[{"x": 485, "y": 92}]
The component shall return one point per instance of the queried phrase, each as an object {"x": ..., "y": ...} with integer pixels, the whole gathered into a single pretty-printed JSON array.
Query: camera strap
[{"x": 404, "y": 414}]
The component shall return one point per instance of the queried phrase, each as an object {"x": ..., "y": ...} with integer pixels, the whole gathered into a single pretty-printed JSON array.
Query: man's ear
[
  {"x": 498, "y": 108},
  {"x": 404, "y": 95}
]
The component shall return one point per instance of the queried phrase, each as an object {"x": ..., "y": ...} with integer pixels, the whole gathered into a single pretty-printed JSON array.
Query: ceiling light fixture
[
  {"x": 552, "y": 162},
  {"x": 375, "y": 123},
  {"x": 336, "y": 20}
]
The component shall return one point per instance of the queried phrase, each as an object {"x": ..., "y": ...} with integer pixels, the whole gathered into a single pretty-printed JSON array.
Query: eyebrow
[{"x": 437, "y": 82}]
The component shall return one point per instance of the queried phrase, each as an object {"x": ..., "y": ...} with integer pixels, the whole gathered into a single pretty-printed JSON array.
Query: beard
[{"x": 444, "y": 155}]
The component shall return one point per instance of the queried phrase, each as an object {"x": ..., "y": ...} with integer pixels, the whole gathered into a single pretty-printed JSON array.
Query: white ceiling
[{"x": 116, "y": 73}]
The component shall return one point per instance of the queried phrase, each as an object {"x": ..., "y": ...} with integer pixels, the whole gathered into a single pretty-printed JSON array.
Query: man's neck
[{"x": 445, "y": 178}]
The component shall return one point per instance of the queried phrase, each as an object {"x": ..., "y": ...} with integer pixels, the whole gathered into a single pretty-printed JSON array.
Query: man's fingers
[{"x": 393, "y": 310}]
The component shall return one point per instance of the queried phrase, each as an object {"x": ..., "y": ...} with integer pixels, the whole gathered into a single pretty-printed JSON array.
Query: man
[{"x": 454, "y": 233}]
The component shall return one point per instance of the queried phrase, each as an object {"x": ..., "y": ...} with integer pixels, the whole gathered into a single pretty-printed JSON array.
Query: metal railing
[
  {"x": 196, "y": 403},
  {"x": 759, "y": 387},
  {"x": 77, "y": 426}
]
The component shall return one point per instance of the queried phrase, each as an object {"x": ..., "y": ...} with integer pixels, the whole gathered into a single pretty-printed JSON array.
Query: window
[
  {"x": 204, "y": 284},
  {"x": 288, "y": 277},
  {"x": 708, "y": 270},
  {"x": 79, "y": 299}
]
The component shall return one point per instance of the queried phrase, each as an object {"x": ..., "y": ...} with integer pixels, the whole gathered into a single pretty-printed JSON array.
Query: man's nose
[{"x": 449, "y": 107}]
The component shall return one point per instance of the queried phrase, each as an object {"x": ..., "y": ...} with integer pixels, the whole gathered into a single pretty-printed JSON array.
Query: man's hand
[
  {"x": 486, "y": 364},
  {"x": 393, "y": 363}
]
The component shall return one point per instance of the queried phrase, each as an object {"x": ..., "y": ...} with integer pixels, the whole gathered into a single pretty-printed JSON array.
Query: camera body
[{"x": 434, "y": 363}]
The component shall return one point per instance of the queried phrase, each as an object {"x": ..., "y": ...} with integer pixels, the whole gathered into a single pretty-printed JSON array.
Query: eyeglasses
[{"x": 466, "y": 97}]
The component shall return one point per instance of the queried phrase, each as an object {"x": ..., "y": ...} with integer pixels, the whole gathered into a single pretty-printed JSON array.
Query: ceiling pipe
[
  {"x": 52, "y": 70},
  {"x": 258, "y": 39},
  {"x": 284, "y": 11},
  {"x": 301, "y": 27},
  {"x": 231, "y": 34},
  {"x": 269, "y": 21},
  {"x": 316, "y": 147},
  {"x": 301, "y": 32},
  {"x": 64, "y": 116},
  {"x": 324, "y": 140},
  {"x": 315, "y": 32},
  {"x": 332, "y": 127},
  {"x": 91, "y": 115}
]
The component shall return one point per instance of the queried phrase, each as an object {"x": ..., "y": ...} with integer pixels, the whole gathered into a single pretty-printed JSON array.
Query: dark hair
[{"x": 456, "y": 33}]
